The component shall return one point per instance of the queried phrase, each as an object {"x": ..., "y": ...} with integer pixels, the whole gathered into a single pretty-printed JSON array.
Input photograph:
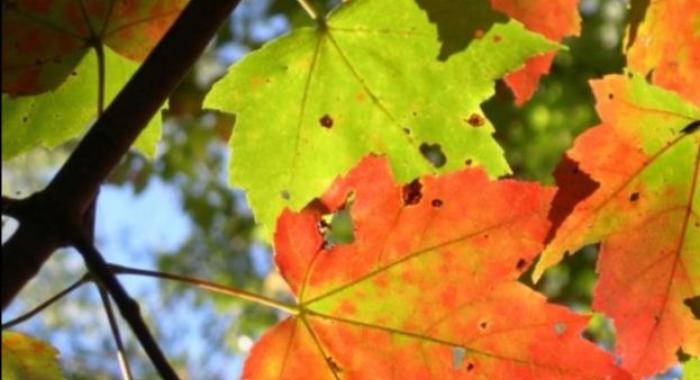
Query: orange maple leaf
[
  {"x": 645, "y": 158},
  {"x": 428, "y": 288}
]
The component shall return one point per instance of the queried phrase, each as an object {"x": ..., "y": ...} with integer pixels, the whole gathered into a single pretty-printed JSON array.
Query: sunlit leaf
[
  {"x": 428, "y": 288},
  {"x": 555, "y": 20},
  {"x": 310, "y": 104},
  {"x": 666, "y": 46},
  {"x": 641, "y": 200}
]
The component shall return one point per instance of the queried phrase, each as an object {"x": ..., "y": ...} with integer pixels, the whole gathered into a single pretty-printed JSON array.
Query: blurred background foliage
[{"x": 207, "y": 336}]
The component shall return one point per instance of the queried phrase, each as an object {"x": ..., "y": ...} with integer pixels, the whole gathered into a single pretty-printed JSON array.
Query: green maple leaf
[
  {"x": 382, "y": 76},
  {"x": 54, "y": 117}
]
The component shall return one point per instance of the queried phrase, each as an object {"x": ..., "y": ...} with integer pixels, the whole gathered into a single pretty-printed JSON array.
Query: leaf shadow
[{"x": 459, "y": 22}]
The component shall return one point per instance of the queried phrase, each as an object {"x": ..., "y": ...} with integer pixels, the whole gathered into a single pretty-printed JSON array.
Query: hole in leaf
[
  {"x": 433, "y": 153},
  {"x": 326, "y": 121},
  {"x": 694, "y": 305},
  {"x": 634, "y": 197},
  {"x": 559, "y": 328},
  {"x": 337, "y": 228},
  {"x": 411, "y": 192},
  {"x": 600, "y": 331},
  {"x": 458, "y": 355},
  {"x": 436, "y": 203},
  {"x": 475, "y": 120}
]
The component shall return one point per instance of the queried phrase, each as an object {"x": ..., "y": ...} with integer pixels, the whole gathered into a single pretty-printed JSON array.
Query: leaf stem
[
  {"x": 210, "y": 286},
  {"x": 310, "y": 9},
  {"x": 121, "y": 353},
  {"x": 46, "y": 303},
  {"x": 99, "y": 51}
]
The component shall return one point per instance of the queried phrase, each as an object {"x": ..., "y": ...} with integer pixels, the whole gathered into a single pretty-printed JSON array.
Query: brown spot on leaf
[
  {"x": 468, "y": 162},
  {"x": 611, "y": 96},
  {"x": 520, "y": 265},
  {"x": 326, "y": 121},
  {"x": 470, "y": 366},
  {"x": 483, "y": 325},
  {"x": 475, "y": 120},
  {"x": 411, "y": 192},
  {"x": 497, "y": 38},
  {"x": 436, "y": 203},
  {"x": 634, "y": 197},
  {"x": 285, "y": 195}
]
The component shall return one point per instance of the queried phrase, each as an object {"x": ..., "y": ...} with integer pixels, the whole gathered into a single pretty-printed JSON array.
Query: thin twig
[
  {"x": 114, "y": 326},
  {"x": 310, "y": 9},
  {"x": 46, "y": 303},
  {"x": 210, "y": 286},
  {"x": 128, "y": 308}
]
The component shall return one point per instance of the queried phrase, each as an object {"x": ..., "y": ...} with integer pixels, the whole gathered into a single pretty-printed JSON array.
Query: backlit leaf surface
[
  {"x": 666, "y": 45},
  {"x": 52, "y": 118},
  {"x": 553, "y": 19},
  {"x": 644, "y": 158},
  {"x": 428, "y": 289},
  {"x": 48, "y": 45},
  {"x": 43, "y": 41},
  {"x": 310, "y": 104},
  {"x": 26, "y": 358}
]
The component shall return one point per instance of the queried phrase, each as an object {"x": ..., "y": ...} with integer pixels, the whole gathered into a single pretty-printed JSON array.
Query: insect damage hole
[
  {"x": 433, "y": 153},
  {"x": 337, "y": 228},
  {"x": 458, "y": 355}
]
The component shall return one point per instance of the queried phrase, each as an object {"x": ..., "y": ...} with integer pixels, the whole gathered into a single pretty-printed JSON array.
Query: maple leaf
[
  {"x": 554, "y": 20},
  {"x": 43, "y": 41},
  {"x": 643, "y": 206},
  {"x": 427, "y": 289},
  {"x": 52, "y": 118},
  {"x": 24, "y": 357},
  {"x": 666, "y": 46},
  {"x": 311, "y": 104},
  {"x": 46, "y": 45}
]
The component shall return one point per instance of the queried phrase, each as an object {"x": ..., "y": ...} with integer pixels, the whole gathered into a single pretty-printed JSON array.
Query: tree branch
[
  {"x": 114, "y": 326},
  {"x": 66, "y": 199},
  {"x": 128, "y": 308},
  {"x": 46, "y": 303}
]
